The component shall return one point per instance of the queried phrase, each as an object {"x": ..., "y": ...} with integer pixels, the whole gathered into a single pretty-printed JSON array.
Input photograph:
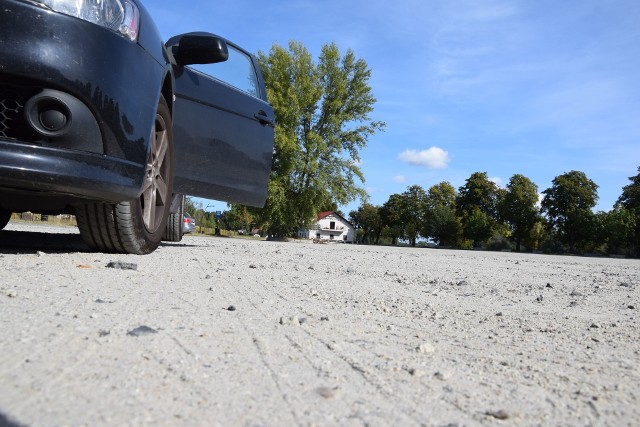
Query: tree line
[
  {"x": 323, "y": 113},
  {"x": 480, "y": 214}
]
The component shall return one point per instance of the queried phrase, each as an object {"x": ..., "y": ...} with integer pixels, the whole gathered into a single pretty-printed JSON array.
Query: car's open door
[{"x": 223, "y": 129}]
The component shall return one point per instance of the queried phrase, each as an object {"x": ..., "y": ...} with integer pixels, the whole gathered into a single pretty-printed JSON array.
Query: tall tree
[
  {"x": 367, "y": 219},
  {"x": 441, "y": 222},
  {"x": 391, "y": 217},
  {"x": 518, "y": 207},
  {"x": 442, "y": 194},
  {"x": 322, "y": 122},
  {"x": 477, "y": 206},
  {"x": 630, "y": 200},
  {"x": 568, "y": 204},
  {"x": 413, "y": 202},
  {"x": 445, "y": 227},
  {"x": 620, "y": 225}
]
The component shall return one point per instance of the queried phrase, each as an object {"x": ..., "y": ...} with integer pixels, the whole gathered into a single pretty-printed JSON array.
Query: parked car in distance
[
  {"x": 189, "y": 224},
  {"x": 102, "y": 119}
]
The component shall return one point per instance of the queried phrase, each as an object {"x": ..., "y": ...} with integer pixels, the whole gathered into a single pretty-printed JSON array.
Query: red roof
[{"x": 324, "y": 214}]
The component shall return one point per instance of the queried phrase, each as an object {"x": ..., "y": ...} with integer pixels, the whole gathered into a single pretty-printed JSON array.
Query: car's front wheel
[{"x": 136, "y": 226}]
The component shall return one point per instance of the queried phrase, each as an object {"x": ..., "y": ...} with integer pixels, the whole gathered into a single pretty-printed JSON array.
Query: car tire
[
  {"x": 136, "y": 226},
  {"x": 5, "y": 216},
  {"x": 175, "y": 224}
]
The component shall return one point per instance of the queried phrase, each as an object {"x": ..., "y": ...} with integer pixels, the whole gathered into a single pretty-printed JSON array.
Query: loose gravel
[{"x": 220, "y": 331}]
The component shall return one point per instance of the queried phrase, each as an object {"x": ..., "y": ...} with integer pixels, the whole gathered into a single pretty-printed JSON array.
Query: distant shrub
[
  {"x": 552, "y": 246},
  {"x": 499, "y": 243}
]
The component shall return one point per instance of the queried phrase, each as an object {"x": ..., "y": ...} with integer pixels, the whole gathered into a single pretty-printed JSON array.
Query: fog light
[
  {"x": 52, "y": 119},
  {"x": 48, "y": 114}
]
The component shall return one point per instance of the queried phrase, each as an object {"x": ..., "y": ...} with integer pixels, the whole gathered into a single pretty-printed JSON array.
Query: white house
[{"x": 330, "y": 226}]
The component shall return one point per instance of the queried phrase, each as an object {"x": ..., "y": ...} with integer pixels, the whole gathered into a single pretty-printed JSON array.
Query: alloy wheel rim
[{"x": 154, "y": 194}]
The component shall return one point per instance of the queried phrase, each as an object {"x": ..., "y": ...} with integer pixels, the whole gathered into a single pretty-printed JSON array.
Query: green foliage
[
  {"x": 190, "y": 206},
  {"x": 568, "y": 204},
  {"x": 630, "y": 200},
  {"x": 616, "y": 230},
  {"x": 445, "y": 227},
  {"x": 477, "y": 206},
  {"x": 630, "y": 197},
  {"x": 497, "y": 242},
  {"x": 322, "y": 122},
  {"x": 441, "y": 223},
  {"x": 518, "y": 207},
  {"x": 537, "y": 235},
  {"x": 478, "y": 193},
  {"x": 478, "y": 227},
  {"x": 413, "y": 203},
  {"x": 442, "y": 194},
  {"x": 391, "y": 217},
  {"x": 367, "y": 219}
]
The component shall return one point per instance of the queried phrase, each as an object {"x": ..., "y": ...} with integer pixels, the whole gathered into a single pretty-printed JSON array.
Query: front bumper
[
  {"x": 109, "y": 87},
  {"x": 71, "y": 173}
]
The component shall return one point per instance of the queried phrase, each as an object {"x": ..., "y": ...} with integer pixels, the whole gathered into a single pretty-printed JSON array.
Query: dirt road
[{"x": 231, "y": 332}]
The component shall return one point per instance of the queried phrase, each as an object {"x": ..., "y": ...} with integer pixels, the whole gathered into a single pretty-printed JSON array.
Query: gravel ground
[{"x": 233, "y": 332}]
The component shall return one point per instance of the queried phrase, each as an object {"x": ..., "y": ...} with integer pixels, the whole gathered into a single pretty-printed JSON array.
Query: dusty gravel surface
[{"x": 231, "y": 332}]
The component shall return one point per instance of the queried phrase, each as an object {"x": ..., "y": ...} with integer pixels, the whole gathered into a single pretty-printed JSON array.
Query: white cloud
[
  {"x": 399, "y": 179},
  {"x": 432, "y": 158},
  {"x": 496, "y": 180}
]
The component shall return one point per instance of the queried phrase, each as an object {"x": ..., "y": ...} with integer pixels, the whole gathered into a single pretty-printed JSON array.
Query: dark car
[{"x": 100, "y": 118}]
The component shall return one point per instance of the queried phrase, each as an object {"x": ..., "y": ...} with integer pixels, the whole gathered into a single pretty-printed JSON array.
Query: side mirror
[{"x": 198, "y": 48}]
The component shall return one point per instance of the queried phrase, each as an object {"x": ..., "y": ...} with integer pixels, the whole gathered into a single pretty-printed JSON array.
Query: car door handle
[{"x": 263, "y": 118}]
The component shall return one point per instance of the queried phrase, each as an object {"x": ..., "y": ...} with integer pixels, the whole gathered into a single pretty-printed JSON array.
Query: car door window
[{"x": 237, "y": 71}]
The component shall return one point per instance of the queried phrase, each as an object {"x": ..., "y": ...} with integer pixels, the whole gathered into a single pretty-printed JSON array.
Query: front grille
[{"x": 12, "y": 121}]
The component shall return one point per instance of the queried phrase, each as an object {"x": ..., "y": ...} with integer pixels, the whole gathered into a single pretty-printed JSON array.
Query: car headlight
[{"x": 121, "y": 16}]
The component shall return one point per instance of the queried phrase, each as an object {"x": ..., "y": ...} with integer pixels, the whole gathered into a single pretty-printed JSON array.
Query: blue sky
[{"x": 534, "y": 87}]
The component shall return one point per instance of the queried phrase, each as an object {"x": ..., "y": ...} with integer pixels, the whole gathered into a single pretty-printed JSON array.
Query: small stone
[
  {"x": 231, "y": 308},
  {"x": 549, "y": 285},
  {"x": 93, "y": 315},
  {"x": 326, "y": 392},
  {"x": 499, "y": 414},
  {"x": 103, "y": 332},
  {"x": 39, "y": 253},
  {"x": 439, "y": 376},
  {"x": 122, "y": 265},
  {"x": 141, "y": 330},
  {"x": 631, "y": 307},
  {"x": 594, "y": 326},
  {"x": 11, "y": 294},
  {"x": 463, "y": 283},
  {"x": 539, "y": 298},
  {"x": 324, "y": 318},
  {"x": 499, "y": 314},
  {"x": 252, "y": 266}
]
